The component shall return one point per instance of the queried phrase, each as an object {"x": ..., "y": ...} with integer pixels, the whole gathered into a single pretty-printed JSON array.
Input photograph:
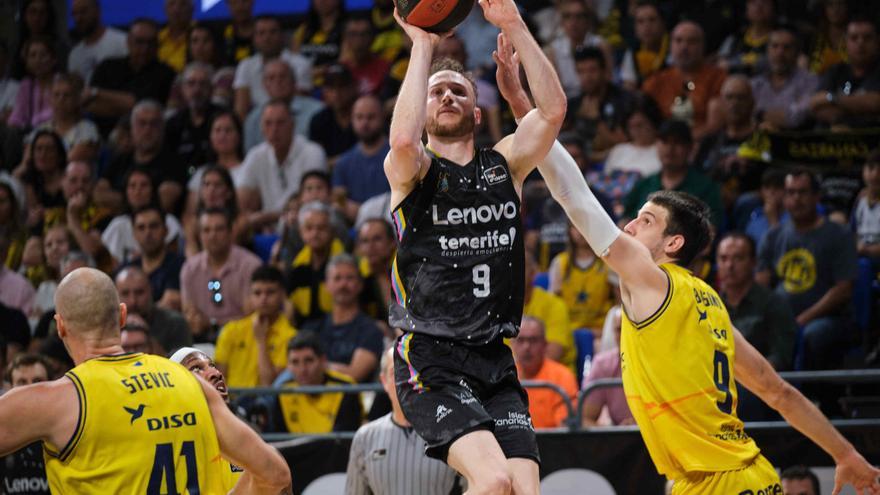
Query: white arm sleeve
[{"x": 568, "y": 187}]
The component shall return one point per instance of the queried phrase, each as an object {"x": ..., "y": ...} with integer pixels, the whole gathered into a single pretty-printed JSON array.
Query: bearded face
[
  {"x": 464, "y": 127},
  {"x": 451, "y": 106}
]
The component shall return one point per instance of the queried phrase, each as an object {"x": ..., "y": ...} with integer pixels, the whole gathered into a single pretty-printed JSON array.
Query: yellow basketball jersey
[
  {"x": 678, "y": 378},
  {"x": 585, "y": 292},
  {"x": 144, "y": 427}
]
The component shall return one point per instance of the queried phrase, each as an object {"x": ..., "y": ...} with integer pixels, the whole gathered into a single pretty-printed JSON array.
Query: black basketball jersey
[{"x": 460, "y": 266}]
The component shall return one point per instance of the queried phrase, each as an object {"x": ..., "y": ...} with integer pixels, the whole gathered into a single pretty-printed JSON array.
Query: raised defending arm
[
  {"x": 539, "y": 127},
  {"x": 757, "y": 375}
]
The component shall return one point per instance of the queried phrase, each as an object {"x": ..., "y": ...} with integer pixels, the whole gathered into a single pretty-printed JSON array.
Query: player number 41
[{"x": 163, "y": 471}]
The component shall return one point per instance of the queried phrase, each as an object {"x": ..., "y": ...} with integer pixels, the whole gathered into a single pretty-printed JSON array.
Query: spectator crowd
[{"x": 229, "y": 176}]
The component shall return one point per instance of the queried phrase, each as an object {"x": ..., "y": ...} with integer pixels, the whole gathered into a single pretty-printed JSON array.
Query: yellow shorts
[{"x": 759, "y": 478}]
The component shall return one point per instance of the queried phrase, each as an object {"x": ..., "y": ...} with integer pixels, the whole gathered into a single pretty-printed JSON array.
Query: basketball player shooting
[
  {"x": 458, "y": 273},
  {"x": 680, "y": 354}
]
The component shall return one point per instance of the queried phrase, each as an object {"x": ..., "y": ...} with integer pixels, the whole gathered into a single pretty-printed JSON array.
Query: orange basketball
[{"x": 436, "y": 16}]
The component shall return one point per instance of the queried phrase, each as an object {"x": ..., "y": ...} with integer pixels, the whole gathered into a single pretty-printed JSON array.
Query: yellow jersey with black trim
[
  {"x": 678, "y": 378},
  {"x": 144, "y": 427},
  {"x": 586, "y": 292}
]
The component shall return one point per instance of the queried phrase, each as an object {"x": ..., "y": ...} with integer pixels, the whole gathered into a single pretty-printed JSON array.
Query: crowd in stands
[{"x": 229, "y": 176}]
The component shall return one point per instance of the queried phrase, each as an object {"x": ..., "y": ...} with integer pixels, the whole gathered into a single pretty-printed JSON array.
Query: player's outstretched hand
[
  {"x": 507, "y": 73},
  {"x": 856, "y": 471},
  {"x": 501, "y": 13},
  {"x": 416, "y": 33}
]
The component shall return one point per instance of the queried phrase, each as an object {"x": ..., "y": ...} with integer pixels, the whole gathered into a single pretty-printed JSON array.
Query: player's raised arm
[
  {"x": 629, "y": 258},
  {"x": 757, "y": 375},
  {"x": 539, "y": 128},
  {"x": 265, "y": 471},
  {"x": 407, "y": 160}
]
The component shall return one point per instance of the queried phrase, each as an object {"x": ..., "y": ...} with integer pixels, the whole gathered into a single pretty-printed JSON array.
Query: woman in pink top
[{"x": 33, "y": 104}]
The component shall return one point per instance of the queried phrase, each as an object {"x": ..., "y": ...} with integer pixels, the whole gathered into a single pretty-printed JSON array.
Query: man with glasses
[
  {"x": 213, "y": 283},
  {"x": 118, "y": 83},
  {"x": 188, "y": 131}
]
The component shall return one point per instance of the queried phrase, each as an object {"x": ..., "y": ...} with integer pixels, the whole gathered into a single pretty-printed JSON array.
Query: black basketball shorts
[{"x": 447, "y": 389}]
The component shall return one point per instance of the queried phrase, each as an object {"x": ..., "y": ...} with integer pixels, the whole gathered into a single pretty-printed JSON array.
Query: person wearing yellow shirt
[
  {"x": 253, "y": 350},
  {"x": 314, "y": 413},
  {"x": 173, "y": 37},
  {"x": 553, "y": 313},
  {"x": 584, "y": 282}
]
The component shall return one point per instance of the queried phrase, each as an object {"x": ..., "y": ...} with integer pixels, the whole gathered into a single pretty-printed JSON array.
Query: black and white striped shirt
[{"x": 388, "y": 459}]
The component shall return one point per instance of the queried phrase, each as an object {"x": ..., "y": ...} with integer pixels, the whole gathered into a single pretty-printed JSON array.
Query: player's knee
[{"x": 495, "y": 482}]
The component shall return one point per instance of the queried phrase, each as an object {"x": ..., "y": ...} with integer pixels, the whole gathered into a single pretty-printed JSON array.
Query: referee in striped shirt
[{"x": 388, "y": 458}]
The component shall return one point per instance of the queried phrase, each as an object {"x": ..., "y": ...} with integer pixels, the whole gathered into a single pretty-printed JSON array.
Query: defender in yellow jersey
[
  {"x": 676, "y": 374},
  {"x": 129, "y": 423},
  {"x": 199, "y": 363},
  {"x": 680, "y": 355}
]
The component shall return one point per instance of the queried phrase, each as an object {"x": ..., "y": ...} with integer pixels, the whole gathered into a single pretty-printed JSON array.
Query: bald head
[
  {"x": 133, "y": 287},
  {"x": 87, "y": 302}
]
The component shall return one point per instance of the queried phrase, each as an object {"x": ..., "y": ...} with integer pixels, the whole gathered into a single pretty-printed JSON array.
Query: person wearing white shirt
[
  {"x": 269, "y": 44},
  {"x": 272, "y": 170},
  {"x": 639, "y": 154},
  {"x": 98, "y": 42},
  {"x": 279, "y": 81},
  {"x": 118, "y": 236}
]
